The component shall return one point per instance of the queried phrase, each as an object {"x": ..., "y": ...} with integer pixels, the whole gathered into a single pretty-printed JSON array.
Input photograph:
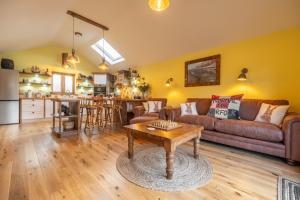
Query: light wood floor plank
[{"x": 35, "y": 165}]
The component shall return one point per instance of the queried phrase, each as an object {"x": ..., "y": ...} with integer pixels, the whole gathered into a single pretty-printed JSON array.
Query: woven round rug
[{"x": 148, "y": 169}]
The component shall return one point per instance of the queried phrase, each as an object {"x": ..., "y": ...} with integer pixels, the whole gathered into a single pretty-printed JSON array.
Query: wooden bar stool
[
  {"x": 107, "y": 112},
  {"x": 84, "y": 102},
  {"x": 112, "y": 107},
  {"x": 99, "y": 102}
]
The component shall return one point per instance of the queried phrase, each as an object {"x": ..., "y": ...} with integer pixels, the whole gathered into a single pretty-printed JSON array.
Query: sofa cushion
[
  {"x": 203, "y": 120},
  {"x": 225, "y": 107},
  {"x": 202, "y": 104},
  {"x": 273, "y": 114},
  {"x": 188, "y": 108},
  {"x": 250, "y": 107},
  {"x": 250, "y": 129}
]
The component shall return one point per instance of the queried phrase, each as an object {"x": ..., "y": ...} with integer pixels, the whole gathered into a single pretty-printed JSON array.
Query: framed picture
[{"x": 203, "y": 71}]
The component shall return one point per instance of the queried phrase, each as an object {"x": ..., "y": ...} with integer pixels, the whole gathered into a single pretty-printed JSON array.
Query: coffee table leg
[
  {"x": 170, "y": 164},
  {"x": 196, "y": 147},
  {"x": 170, "y": 151},
  {"x": 130, "y": 144}
]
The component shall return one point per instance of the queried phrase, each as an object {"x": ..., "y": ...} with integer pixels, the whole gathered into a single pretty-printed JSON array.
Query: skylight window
[{"x": 108, "y": 52}]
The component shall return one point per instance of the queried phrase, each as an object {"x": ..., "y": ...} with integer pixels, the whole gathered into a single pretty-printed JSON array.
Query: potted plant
[{"x": 144, "y": 87}]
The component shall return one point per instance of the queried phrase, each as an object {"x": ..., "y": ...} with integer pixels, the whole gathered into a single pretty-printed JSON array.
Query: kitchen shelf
[
  {"x": 83, "y": 80},
  {"x": 85, "y": 86},
  {"x": 33, "y": 83},
  {"x": 31, "y": 73},
  {"x": 74, "y": 106},
  {"x": 64, "y": 133}
]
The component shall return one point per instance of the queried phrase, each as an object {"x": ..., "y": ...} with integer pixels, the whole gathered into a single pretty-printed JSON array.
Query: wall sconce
[
  {"x": 243, "y": 76},
  {"x": 169, "y": 81}
]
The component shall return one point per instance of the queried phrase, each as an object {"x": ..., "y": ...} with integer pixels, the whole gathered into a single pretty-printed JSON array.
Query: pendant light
[
  {"x": 159, "y": 5},
  {"x": 103, "y": 66},
  {"x": 73, "y": 59}
]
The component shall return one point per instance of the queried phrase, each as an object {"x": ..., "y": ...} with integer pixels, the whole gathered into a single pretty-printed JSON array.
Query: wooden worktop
[{"x": 65, "y": 99}]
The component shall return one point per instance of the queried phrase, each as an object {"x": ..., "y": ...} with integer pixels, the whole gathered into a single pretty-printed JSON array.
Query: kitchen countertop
[{"x": 40, "y": 98}]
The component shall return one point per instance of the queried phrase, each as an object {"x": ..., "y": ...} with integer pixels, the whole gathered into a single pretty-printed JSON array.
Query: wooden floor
[{"x": 36, "y": 165}]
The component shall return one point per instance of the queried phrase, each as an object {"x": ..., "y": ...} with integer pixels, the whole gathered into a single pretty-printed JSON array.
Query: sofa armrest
[
  {"x": 291, "y": 129},
  {"x": 172, "y": 113},
  {"x": 138, "y": 111}
]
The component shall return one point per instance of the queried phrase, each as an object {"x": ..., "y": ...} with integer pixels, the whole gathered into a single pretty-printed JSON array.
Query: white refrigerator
[{"x": 9, "y": 97}]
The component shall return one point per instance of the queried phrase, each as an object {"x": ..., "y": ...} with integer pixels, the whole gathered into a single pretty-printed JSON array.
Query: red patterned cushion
[{"x": 225, "y": 107}]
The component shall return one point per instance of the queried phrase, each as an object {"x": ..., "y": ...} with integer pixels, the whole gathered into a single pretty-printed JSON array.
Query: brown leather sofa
[
  {"x": 245, "y": 133},
  {"x": 140, "y": 115}
]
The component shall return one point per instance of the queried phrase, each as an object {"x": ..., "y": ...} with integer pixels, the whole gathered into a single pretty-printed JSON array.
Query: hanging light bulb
[
  {"x": 103, "y": 65},
  {"x": 159, "y": 5},
  {"x": 73, "y": 59}
]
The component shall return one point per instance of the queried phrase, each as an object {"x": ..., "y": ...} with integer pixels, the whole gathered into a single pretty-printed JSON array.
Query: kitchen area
[{"x": 28, "y": 94}]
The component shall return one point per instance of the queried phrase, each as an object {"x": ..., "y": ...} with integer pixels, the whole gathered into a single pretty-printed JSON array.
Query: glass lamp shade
[
  {"x": 73, "y": 58},
  {"x": 103, "y": 66},
  {"x": 159, "y": 5}
]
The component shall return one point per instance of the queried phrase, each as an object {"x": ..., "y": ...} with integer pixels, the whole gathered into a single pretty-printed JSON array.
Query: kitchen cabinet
[
  {"x": 48, "y": 108},
  {"x": 32, "y": 109}
]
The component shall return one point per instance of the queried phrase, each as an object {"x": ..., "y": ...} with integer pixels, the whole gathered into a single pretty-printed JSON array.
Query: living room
[{"x": 151, "y": 99}]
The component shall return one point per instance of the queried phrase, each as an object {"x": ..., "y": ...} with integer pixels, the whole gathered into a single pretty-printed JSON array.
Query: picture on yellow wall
[{"x": 203, "y": 71}]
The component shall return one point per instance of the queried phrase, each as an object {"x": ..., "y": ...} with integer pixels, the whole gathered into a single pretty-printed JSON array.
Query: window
[
  {"x": 108, "y": 52},
  {"x": 63, "y": 83},
  {"x": 56, "y": 86},
  {"x": 69, "y": 84}
]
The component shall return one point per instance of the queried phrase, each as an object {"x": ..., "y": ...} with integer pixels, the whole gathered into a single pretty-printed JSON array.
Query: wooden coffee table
[{"x": 167, "y": 139}]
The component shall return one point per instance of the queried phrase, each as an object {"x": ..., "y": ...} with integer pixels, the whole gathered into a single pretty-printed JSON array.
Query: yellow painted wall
[
  {"x": 47, "y": 57},
  {"x": 274, "y": 70}
]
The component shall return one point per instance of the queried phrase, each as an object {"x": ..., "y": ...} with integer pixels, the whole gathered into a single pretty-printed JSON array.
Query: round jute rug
[{"x": 148, "y": 169}]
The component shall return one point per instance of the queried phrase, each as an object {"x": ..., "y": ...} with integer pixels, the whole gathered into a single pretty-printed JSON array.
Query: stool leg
[
  {"x": 120, "y": 116},
  {"x": 100, "y": 118},
  {"x": 86, "y": 120},
  {"x": 110, "y": 114}
]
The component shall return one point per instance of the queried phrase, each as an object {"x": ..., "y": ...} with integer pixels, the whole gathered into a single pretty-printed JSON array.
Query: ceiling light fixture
[
  {"x": 159, "y": 5},
  {"x": 103, "y": 65},
  {"x": 73, "y": 59}
]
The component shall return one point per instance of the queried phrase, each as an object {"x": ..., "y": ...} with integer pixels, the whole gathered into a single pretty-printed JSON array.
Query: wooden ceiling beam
[{"x": 87, "y": 20}]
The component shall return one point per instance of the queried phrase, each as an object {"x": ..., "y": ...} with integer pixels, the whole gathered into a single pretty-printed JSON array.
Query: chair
[
  {"x": 99, "y": 102},
  {"x": 140, "y": 114},
  {"x": 111, "y": 107},
  {"x": 94, "y": 113},
  {"x": 84, "y": 103}
]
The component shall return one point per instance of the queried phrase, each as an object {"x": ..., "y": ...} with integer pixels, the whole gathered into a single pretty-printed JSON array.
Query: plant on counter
[{"x": 143, "y": 87}]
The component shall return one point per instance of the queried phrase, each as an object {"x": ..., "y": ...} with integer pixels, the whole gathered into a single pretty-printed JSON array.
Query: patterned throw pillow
[
  {"x": 273, "y": 114},
  {"x": 225, "y": 107},
  {"x": 154, "y": 106},
  {"x": 188, "y": 108}
]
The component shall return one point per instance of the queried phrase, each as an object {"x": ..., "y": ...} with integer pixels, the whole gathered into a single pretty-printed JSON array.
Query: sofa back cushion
[
  {"x": 250, "y": 107},
  {"x": 248, "y": 110},
  {"x": 163, "y": 101},
  {"x": 202, "y": 104}
]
